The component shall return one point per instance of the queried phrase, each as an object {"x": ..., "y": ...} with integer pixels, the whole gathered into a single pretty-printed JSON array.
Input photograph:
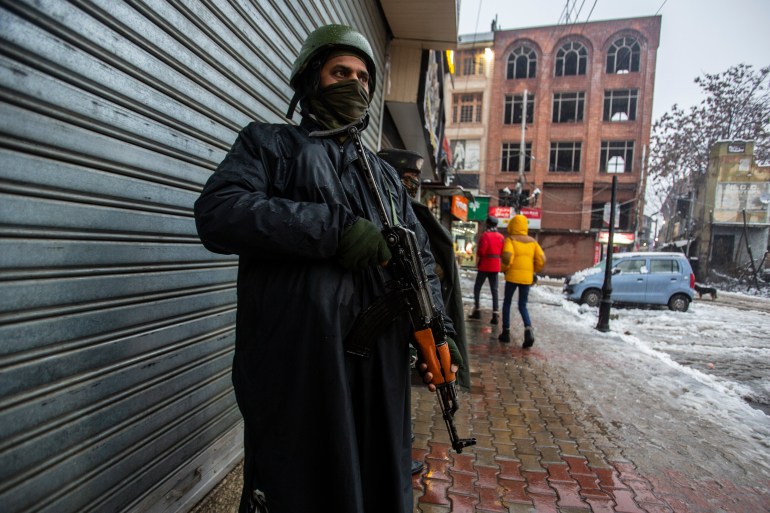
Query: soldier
[{"x": 324, "y": 429}]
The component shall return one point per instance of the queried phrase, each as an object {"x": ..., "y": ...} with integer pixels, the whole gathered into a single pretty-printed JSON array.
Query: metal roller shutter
[{"x": 116, "y": 325}]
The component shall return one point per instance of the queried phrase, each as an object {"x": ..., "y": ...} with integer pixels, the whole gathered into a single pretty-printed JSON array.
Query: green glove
[
  {"x": 362, "y": 245},
  {"x": 454, "y": 353}
]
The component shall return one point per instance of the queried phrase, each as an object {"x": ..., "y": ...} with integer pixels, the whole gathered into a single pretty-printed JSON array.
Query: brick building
[{"x": 589, "y": 92}]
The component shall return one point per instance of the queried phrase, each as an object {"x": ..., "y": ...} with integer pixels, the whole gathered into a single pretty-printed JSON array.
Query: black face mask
[
  {"x": 412, "y": 185},
  {"x": 340, "y": 104}
]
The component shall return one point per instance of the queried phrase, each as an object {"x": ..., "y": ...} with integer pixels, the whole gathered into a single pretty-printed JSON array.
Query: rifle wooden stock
[{"x": 435, "y": 356}]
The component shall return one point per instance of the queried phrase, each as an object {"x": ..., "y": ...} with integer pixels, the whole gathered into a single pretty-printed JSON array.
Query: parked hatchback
[{"x": 645, "y": 278}]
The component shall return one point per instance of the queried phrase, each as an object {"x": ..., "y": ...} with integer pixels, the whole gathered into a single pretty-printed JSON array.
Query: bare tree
[{"x": 736, "y": 106}]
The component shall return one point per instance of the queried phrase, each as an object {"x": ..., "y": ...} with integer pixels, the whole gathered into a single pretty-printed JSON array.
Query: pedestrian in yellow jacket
[{"x": 522, "y": 258}]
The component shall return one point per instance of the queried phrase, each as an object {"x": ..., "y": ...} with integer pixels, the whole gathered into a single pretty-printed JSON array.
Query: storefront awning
[{"x": 447, "y": 190}]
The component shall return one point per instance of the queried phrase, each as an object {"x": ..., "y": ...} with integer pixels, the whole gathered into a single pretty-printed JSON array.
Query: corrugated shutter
[{"x": 116, "y": 325}]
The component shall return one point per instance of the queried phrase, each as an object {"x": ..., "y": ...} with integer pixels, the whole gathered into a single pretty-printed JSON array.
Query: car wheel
[
  {"x": 679, "y": 303},
  {"x": 591, "y": 297}
]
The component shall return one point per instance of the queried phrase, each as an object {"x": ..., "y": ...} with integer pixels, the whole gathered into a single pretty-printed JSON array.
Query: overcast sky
[{"x": 697, "y": 36}]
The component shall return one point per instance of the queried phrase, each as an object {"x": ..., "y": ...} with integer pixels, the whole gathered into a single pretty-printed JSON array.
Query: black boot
[
  {"x": 505, "y": 336},
  {"x": 494, "y": 318},
  {"x": 417, "y": 467},
  {"x": 476, "y": 314},
  {"x": 529, "y": 337}
]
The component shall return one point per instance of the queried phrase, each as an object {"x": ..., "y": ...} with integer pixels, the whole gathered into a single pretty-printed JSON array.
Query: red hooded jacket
[{"x": 489, "y": 251}]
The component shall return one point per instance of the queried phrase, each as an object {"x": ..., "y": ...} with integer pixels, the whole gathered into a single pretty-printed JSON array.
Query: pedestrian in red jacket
[{"x": 488, "y": 253}]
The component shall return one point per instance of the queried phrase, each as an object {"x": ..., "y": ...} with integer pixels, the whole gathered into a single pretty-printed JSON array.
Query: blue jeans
[
  {"x": 510, "y": 288},
  {"x": 481, "y": 276}
]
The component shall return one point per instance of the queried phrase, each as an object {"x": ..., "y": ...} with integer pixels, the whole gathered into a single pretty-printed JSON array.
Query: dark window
[
  {"x": 631, "y": 266},
  {"x": 664, "y": 266},
  {"x": 571, "y": 59},
  {"x": 522, "y": 63},
  {"x": 568, "y": 107},
  {"x": 617, "y": 157},
  {"x": 470, "y": 63},
  {"x": 466, "y": 108},
  {"x": 622, "y": 214},
  {"x": 509, "y": 159},
  {"x": 514, "y": 106},
  {"x": 620, "y": 105},
  {"x": 565, "y": 156},
  {"x": 623, "y": 56}
]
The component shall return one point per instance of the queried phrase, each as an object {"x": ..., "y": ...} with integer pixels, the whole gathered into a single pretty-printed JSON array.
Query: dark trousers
[
  {"x": 481, "y": 276},
  {"x": 510, "y": 288}
]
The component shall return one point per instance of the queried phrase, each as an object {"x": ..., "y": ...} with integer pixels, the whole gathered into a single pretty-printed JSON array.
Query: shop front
[{"x": 465, "y": 231}]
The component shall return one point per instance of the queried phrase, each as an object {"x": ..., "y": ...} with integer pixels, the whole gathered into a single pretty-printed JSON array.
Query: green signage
[{"x": 478, "y": 210}]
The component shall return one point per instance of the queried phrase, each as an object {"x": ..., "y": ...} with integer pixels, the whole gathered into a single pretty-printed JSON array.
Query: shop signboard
[
  {"x": 460, "y": 207},
  {"x": 533, "y": 215},
  {"x": 478, "y": 210},
  {"x": 504, "y": 214},
  {"x": 618, "y": 238}
]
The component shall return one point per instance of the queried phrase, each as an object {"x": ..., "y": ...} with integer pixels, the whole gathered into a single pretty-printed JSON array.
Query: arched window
[
  {"x": 571, "y": 59},
  {"x": 623, "y": 56},
  {"x": 522, "y": 63}
]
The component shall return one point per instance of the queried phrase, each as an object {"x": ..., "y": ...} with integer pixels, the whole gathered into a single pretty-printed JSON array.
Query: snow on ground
[{"x": 665, "y": 379}]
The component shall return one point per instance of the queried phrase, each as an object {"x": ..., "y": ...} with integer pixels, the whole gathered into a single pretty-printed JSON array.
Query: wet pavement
[{"x": 561, "y": 428}]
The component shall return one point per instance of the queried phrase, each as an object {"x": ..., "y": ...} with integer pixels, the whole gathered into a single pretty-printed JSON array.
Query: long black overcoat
[{"x": 325, "y": 431}]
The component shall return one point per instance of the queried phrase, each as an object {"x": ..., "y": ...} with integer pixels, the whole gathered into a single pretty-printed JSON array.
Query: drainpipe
[{"x": 385, "y": 91}]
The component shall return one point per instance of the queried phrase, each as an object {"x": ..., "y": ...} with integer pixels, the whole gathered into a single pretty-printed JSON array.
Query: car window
[
  {"x": 664, "y": 266},
  {"x": 631, "y": 266}
]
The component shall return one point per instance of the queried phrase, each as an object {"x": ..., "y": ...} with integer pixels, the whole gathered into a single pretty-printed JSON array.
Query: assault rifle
[{"x": 411, "y": 292}]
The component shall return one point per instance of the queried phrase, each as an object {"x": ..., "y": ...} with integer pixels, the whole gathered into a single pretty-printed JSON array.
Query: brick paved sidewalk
[
  {"x": 540, "y": 449},
  {"x": 534, "y": 453}
]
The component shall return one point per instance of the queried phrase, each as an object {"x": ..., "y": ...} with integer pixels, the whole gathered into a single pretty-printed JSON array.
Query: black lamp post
[{"x": 605, "y": 305}]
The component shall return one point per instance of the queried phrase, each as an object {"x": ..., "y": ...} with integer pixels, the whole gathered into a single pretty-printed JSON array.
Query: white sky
[{"x": 697, "y": 36}]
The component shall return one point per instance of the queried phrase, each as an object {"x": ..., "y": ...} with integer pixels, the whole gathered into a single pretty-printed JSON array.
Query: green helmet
[{"x": 330, "y": 37}]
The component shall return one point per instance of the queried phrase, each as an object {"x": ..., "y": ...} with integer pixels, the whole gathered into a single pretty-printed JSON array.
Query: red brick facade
[{"x": 568, "y": 198}]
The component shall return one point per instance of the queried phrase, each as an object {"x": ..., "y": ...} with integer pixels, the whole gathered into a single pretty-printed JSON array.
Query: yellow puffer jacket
[{"x": 522, "y": 255}]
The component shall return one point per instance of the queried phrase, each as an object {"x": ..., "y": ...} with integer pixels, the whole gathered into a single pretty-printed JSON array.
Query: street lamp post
[{"x": 605, "y": 305}]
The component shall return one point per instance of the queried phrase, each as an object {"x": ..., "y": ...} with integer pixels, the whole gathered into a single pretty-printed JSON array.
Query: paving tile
[
  {"x": 463, "y": 463},
  {"x": 545, "y": 504},
  {"x": 549, "y": 454},
  {"x": 487, "y": 476},
  {"x": 515, "y": 507},
  {"x": 463, "y": 503},
  {"x": 660, "y": 508},
  {"x": 463, "y": 483},
  {"x": 435, "y": 492},
  {"x": 489, "y": 501},
  {"x": 601, "y": 505},
  {"x": 440, "y": 451},
  {"x": 437, "y": 469},
  {"x": 587, "y": 481},
  {"x": 568, "y": 495},
  {"x": 610, "y": 479},
  {"x": 559, "y": 472},
  {"x": 537, "y": 483},
  {"x": 514, "y": 491},
  {"x": 526, "y": 446},
  {"x": 505, "y": 450},
  {"x": 530, "y": 462},
  {"x": 577, "y": 465},
  {"x": 596, "y": 459},
  {"x": 624, "y": 502},
  {"x": 510, "y": 470},
  {"x": 432, "y": 508},
  {"x": 485, "y": 457}
]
